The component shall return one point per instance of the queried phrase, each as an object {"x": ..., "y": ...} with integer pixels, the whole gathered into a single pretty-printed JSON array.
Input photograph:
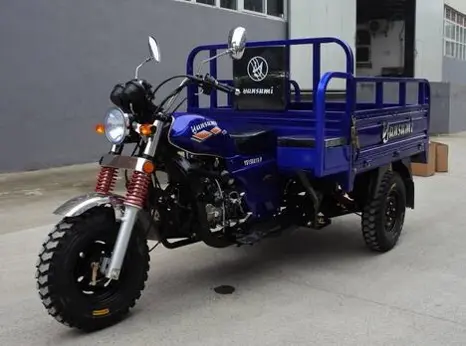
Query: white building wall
[
  {"x": 429, "y": 39},
  {"x": 323, "y": 18},
  {"x": 337, "y": 18},
  {"x": 459, "y": 5}
]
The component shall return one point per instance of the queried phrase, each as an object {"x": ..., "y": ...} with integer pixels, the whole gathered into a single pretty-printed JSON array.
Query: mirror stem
[
  {"x": 136, "y": 75},
  {"x": 211, "y": 58}
]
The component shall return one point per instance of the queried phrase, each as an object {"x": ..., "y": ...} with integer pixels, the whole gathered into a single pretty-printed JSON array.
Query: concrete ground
[{"x": 307, "y": 288}]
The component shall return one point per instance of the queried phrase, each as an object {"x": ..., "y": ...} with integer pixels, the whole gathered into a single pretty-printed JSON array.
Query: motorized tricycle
[{"x": 264, "y": 161}]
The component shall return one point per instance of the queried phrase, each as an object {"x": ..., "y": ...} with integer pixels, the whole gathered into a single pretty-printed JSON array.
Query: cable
[
  {"x": 179, "y": 105},
  {"x": 153, "y": 247},
  {"x": 166, "y": 81}
]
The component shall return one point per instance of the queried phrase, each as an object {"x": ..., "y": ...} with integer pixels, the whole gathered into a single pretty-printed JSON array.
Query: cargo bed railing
[
  {"x": 320, "y": 111},
  {"x": 318, "y": 83},
  {"x": 320, "y": 104},
  {"x": 316, "y": 42}
]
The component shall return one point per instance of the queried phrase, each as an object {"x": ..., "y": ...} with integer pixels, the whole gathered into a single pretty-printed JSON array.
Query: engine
[{"x": 225, "y": 208}]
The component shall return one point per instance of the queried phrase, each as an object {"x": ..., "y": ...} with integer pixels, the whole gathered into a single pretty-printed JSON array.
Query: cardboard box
[
  {"x": 441, "y": 157},
  {"x": 426, "y": 169}
]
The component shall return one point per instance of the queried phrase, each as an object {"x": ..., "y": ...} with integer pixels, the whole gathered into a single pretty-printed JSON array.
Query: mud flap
[{"x": 403, "y": 168}]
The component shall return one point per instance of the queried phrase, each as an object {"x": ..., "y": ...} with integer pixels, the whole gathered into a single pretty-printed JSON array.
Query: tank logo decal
[
  {"x": 202, "y": 126},
  {"x": 396, "y": 130},
  {"x": 201, "y": 136},
  {"x": 200, "y": 132},
  {"x": 216, "y": 130}
]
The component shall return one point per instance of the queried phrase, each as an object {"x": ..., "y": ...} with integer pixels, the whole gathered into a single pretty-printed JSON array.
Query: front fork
[{"x": 135, "y": 199}]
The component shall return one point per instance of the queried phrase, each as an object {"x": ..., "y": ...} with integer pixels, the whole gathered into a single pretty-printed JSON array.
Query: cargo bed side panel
[{"x": 388, "y": 135}]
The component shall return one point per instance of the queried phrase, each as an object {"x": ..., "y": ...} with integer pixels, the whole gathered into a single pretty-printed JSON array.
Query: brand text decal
[
  {"x": 201, "y": 133},
  {"x": 258, "y": 91},
  {"x": 396, "y": 130}
]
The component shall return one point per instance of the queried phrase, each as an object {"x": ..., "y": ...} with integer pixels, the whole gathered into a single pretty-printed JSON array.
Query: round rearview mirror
[
  {"x": 154, "y": 49},
  {"x": 237, "y": 42}
]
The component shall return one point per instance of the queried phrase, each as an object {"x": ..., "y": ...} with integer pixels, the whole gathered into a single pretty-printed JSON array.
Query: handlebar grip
[
  {"x": 228, "y": 89},
  {"x": 223, "y": 87}
]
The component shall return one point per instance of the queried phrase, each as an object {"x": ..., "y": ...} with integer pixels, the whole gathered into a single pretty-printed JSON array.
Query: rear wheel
[
  {"x": 70, "y": 283},
  {"x": 384, "y": 214}
]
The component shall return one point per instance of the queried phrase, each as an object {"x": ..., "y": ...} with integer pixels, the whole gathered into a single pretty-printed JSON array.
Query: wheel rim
[
  {"x": 88, "y": 276},
  {"x": 392, "y": 212}
]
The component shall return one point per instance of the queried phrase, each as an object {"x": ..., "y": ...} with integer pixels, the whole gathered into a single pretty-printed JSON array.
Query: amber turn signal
[
  {"x": 100, "y": 129},
  {"x": 148, "y": 167},
  {"x": 146, "y": 129}
]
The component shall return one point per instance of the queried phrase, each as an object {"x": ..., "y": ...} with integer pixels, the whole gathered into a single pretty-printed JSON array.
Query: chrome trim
[
  {"x": 79, "y": 204},
  {"x": 124, "y": 234},
  {"x": 123, "y": 162},
  {"x": 127, "y": 119},
  {"x": 153, "y": 141}
]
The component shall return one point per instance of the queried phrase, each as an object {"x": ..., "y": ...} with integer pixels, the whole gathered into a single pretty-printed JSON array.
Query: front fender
[{"x": 80, "y": 204}]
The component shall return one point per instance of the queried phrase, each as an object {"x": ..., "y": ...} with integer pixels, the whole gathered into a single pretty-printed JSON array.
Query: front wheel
[
  {"x": 384, "y": 214},
  {"x": 69, "y": 280}
]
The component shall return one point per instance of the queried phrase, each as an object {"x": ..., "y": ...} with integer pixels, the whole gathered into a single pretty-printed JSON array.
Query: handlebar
[
  {"x": 222, "y": 87},
  {"x": 137, "y": 94}
]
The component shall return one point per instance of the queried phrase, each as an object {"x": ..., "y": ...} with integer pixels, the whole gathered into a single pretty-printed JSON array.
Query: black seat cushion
[{"x": 254, "y": 142}]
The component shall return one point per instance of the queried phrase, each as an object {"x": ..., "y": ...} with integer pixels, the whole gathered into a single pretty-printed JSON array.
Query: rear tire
[
  {"x": 64, "y": 271},
  {"x": 384, "y": 214}
]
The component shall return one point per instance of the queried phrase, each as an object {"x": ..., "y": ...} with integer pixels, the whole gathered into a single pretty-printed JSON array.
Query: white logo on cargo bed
[{"x": 391, "y": 131}]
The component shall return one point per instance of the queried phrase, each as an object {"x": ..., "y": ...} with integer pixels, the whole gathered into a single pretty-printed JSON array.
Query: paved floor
[{"x": 308, "y": 288}]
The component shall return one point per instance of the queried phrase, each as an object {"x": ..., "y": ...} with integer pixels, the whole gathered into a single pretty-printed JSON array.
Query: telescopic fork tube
[{"x": 135, "y": 199}]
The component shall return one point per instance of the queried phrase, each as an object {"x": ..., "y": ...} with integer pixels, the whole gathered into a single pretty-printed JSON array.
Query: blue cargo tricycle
[{"x": 239, "y": 169}]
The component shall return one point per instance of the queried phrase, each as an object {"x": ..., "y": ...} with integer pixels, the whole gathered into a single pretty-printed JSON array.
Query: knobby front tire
[{"x": 70, "y": 290}]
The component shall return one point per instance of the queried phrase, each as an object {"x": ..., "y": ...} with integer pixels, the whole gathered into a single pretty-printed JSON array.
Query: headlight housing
[{"x": 116, "y": 125}]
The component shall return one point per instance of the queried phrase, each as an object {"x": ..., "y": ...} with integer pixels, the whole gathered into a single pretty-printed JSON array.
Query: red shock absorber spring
[
  {"x": 138, "y": 189},
  {"x": 106, "y": 180}
]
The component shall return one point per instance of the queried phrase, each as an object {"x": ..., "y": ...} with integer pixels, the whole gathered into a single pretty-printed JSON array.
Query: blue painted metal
[
  {"x": 262, "y": 195},
  {"x": 318, "y": 120},
  {"x": 186, "y": 132},
  {"x": 193, "y": 99}
]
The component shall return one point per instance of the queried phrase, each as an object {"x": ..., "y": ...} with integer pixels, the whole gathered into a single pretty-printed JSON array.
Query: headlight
[{"x": 116, "y": 125}]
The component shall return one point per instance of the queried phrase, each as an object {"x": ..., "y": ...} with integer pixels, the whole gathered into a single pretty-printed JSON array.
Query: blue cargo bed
[{"x": 326, "y": 137}]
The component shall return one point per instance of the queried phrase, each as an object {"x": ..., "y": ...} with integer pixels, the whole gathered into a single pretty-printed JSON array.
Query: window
[
  {"x": 454, "y": 34},
  {"x": 363, "y": 48},
  {"x": 276, "y": 8},
  {"x": 268, "y": 8},
  {"x": 254, "y": 5},
  {"x": 363, "y": 55},
  {"x": 230, "y": 4},
  {"x": 206, "y": 2}
]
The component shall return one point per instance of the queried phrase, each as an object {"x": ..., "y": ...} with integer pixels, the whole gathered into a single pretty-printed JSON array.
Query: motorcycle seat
[{"x": 254, "y": 141}]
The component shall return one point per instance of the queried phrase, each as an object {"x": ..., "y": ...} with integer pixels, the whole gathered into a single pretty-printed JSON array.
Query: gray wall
[
  {"x": 454, "y": 71},
  {"x": 457, "y": 121},
  {"x": 454, "y": 74},
  {"x": 440, "y": 108},
  {"x": 60, "y": 59},
  {"x": 441, "y": 121}
]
